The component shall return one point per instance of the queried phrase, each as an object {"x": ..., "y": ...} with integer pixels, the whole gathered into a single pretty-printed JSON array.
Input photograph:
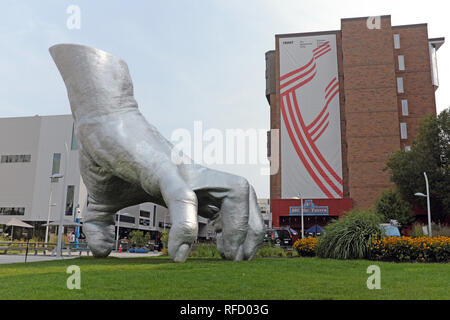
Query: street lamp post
[
  {"x": 50, "y": 205},
  {"x": 420, "y": 194},
  {"x": 301, "y": 210},
  {"x": 62, "y": 211},
  {"x": 117, "y": 232}
]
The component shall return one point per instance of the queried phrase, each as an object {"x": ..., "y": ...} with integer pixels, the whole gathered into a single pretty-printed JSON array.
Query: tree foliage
[
  {"x": 391, "y": 206},
  {"x": 430, "y": 153}
]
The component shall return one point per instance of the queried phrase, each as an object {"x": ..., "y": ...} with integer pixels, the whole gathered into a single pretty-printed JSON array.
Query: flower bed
[
  {"x": 306, "y": 247},
  {"x": 421, "y": 249}
]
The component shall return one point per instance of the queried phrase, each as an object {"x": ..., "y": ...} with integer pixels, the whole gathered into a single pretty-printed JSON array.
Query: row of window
[
  {"x": 12, "y": 211},
  {"x": 400, "y": 89},
  {"x": 144, "y": 218},
  {"x": 16, "y": 158}
]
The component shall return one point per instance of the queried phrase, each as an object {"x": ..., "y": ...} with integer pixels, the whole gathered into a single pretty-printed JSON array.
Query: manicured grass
[{"x": 263, "y": 278}]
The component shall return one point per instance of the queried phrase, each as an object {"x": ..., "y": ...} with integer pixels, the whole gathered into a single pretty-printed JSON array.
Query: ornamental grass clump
[{"x": 347, "y": 238}]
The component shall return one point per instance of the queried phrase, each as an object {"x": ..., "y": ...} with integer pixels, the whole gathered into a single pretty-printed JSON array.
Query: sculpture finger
[
  {"x": 234, "y": 220},
  {"x": 99, "y": 229},
  {"x": 256, "y": 229},
  {"x": 182, "y": 205}
]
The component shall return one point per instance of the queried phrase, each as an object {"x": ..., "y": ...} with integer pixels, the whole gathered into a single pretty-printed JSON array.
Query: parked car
[{"x": 278, "y": 236}]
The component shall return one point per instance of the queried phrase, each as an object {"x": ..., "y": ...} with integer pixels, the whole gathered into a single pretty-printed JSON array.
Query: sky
[{"x": 190, "y": 60}]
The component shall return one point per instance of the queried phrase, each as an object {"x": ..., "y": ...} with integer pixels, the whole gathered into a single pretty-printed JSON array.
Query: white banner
[{"x": 311, "y": 159}]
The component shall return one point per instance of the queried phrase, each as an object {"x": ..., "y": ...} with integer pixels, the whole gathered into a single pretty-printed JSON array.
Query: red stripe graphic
[
  {"x": 316, "y": 57},
  {"x": 320, "y": 124},
  {"x": 314, "y": 162},
  {"x": 323, "y": 44},
  {"x": 300, "y": 84},
  {"x": 320, "y": 133},
  {"x": 318, "y": 154},
  {"x": 333, "y": 87},
  {"x": 300, "y": 153},
  {"x": 298, "y": 77},
  {"x": 323, "y": 110},
  {"x": 321, "y": 50},
  {"x": 314, "y": 147},
  {"x": 334, "y": 79},
  {"x": 287, "y": 75}
]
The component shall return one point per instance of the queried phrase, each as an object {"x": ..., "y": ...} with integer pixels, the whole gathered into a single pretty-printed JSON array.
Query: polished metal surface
[{"x": 125, "y": 161}]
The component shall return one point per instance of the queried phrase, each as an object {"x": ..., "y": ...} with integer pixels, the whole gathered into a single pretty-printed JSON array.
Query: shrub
[
  {"x": 306, "y": 247},
  {"x": 417, "y": 230},
  {"x": 205, "y": 250},
  {"x": 347, "y": 238},
  {"x": 438, "y": 229},
  {"x": 137, "y": 239},
  {"x": 392, "y": 207},
  {"x": 165, "y": 238},
  {"x": 268, "y": 250},
  {"x": 421, "y": 249}
]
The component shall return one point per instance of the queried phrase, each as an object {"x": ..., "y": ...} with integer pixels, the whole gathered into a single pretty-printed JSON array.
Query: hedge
[{"x": 401, "y": 249}]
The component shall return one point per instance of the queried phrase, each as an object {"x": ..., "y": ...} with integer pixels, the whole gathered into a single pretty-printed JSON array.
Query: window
[
  {"x": 16, "y": 158},
  {"x": 396, "y": 41},
  {"x": 56, "y": 165},
  {"x": 74, "y": 145},
  {"x": 400, "y": 85},
  {"x": 401, "y": 62},
  {"x": 12, "y": 211},
  {"x": 403, "y": 132},
  {"x": 408, "y": 148},
  {"x": 145, "y": 214},
  {"x": 154, "y": 215},
  {"x": 405, "y": 107},
  {"x": 126, "y": 219},
  {"x": 144, "y": 222},
  {"x": 69, "y": 200}
]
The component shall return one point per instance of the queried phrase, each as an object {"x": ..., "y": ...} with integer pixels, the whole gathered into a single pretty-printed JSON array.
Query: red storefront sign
[{"x": 336, "y": 207}]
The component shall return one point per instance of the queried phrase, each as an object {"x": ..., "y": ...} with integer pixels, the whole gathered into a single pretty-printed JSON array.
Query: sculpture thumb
[{"x": 97, "y": 82}]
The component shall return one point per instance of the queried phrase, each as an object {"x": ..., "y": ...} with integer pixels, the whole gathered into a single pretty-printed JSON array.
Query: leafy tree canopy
[{"x": 430, "y": 153}]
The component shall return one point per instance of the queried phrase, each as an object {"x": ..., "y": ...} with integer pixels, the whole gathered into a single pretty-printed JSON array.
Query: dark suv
[{"x": 280, "y": 237}]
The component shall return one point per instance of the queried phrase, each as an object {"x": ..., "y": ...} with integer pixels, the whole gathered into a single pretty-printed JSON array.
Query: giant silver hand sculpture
[{"x": 125, "y": 161}]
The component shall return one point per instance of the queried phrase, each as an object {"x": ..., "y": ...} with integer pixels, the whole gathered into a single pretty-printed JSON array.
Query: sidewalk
[{"x": 20, "y": 258}]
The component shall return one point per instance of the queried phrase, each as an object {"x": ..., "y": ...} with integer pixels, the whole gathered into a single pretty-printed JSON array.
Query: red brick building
[{"x": 342, "y": 102}]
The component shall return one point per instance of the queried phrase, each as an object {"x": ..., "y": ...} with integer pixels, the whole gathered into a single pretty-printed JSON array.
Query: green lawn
[{"x": 263, "y": 278}]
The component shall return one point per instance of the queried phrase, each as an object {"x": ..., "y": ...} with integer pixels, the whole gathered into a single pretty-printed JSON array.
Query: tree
[
  {"x": 430, "y": 153},
  {"x": 392, "y": 207}
]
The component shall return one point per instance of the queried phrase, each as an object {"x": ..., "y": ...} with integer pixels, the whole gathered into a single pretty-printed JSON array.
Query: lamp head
[{"x": 419, "y": 194}]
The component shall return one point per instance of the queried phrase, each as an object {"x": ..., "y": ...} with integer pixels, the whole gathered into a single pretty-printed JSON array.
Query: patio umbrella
[
  {"x": 315, "y": 229},
  {"x": 18, "y": 223}
]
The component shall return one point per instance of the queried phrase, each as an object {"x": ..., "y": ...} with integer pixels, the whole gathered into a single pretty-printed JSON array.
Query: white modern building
[
  {"x": 32, "y": 149},
  {"x": 264, "y": 207}
]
